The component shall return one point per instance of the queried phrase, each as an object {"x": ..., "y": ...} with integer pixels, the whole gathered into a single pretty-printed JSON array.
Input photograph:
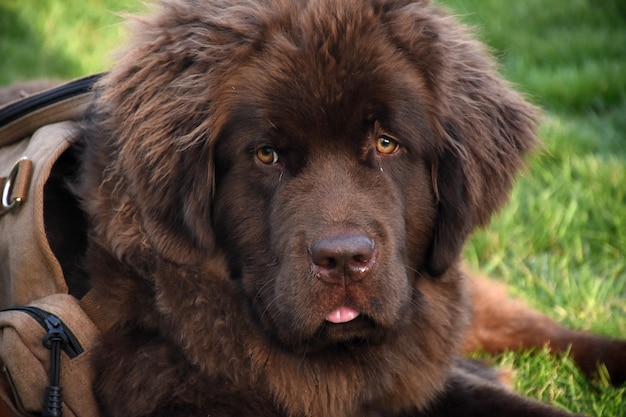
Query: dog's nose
[{"x": 343, "y": 256}]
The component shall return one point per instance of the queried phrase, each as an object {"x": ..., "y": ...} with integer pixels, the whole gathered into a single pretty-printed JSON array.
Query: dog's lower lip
[{"x": 342, "y": 314}]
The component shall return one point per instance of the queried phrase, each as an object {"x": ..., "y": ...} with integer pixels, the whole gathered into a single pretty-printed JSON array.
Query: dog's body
[{"x": 279, "y": 192}]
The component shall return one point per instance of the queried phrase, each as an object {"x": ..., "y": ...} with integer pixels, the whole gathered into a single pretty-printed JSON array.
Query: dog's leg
[
  {"x": 470, "y": 395},
  {"x": 500, "y": 323}
]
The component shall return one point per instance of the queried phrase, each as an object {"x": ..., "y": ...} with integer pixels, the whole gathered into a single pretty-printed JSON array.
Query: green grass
[
  {"x": 561, "y": 242},
  {"x": 58, "y": 38},
  {"x": 557, "y": 381}
]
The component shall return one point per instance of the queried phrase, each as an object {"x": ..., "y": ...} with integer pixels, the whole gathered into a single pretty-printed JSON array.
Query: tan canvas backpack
[{"x": 46, "y": 334}]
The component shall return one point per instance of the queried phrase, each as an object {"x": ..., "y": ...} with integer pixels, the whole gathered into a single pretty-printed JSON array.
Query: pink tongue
[{"x": 342, "y": 315}]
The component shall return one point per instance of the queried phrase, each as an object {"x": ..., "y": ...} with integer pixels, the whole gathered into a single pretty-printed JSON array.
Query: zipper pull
[{"x": 55, "y": 340}]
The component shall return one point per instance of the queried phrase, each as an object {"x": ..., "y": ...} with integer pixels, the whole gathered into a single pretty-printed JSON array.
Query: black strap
[{"x": 37, "y": 101}]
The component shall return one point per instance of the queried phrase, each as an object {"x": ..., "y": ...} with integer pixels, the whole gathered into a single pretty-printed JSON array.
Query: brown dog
[{"x": 278, "y": 194}]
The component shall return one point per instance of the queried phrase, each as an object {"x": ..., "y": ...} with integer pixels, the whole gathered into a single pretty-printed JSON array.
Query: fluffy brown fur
[{"x": 255, "y": 170}]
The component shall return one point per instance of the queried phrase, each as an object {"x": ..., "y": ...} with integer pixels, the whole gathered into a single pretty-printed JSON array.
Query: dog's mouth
[
  {"x": 342, "y": 314},
  {"x": 342, "y": 328}
]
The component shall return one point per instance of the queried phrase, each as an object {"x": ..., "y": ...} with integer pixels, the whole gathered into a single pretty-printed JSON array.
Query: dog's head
[{"x": 337, "y": 152}]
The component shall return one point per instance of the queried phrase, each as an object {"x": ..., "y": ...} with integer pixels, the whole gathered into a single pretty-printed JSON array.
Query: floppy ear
[
  {"x": 453, "y": 223},
  {"x": 154, "y": 125},
  {"x": 483, "y": 126}
]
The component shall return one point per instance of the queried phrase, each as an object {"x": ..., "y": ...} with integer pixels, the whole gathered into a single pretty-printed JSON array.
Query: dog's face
[
  {"x": 324, "y": 198},
  {"x": 337, "y": 152}
]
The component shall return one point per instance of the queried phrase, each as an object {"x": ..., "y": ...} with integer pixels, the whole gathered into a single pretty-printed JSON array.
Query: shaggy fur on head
[{"x": 257, "y": 171}]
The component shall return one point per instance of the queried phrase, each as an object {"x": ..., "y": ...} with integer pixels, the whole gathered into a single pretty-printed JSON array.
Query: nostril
[
  {"x": 363, "y": 259},
  {"x": 323, "y": 260},
  {"x": 343, "y": 255}
]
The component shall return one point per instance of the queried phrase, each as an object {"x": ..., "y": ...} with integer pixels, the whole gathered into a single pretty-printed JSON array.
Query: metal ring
[{"x": 7, "y": 203}]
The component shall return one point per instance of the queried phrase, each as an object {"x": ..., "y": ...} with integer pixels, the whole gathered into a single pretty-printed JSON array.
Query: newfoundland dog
[{"x": 278, "y": 194}]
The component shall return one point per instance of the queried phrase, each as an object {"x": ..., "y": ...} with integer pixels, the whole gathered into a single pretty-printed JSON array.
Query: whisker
[{"x": 413, "y": 270}]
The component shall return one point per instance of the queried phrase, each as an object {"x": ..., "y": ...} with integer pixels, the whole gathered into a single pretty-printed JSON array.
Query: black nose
[{"x": 343, "y": 256}]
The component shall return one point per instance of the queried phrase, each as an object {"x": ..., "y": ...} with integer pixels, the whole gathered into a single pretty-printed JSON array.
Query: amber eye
[
  {"x": 386, "y": 145},
  {"x": 267, "y": 155}
]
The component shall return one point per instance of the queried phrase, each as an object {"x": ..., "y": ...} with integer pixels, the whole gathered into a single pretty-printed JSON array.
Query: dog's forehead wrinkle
[
  {"x": 335, "y": 92},
  {"x": 319, "y": 63},
  {"x": 324, "y": 117}
]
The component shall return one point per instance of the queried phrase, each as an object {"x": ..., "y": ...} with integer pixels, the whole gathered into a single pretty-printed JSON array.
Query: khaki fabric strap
[
  {"x": 30, "y": 144},
  {"x": 95, "y": 311},
  {"x": 29, "y": 268},
  {"x": 61, "y": 109},
  {"x": 58, "y": 112}
]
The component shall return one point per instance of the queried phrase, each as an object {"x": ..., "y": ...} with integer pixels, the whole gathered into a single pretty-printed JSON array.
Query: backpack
[{"x": 46, "y": 334}]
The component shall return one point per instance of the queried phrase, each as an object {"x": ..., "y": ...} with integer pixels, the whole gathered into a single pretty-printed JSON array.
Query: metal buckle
[{"x": 18, "y": 178}]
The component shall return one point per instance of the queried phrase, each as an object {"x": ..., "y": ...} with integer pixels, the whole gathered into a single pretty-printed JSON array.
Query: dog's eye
[
  {"x": 267, "y": 155},
  {"x": 386, "y": 145}
]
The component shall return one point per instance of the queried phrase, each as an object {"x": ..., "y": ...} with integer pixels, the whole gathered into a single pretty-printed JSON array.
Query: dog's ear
[
  {"x": 483, "y": 126},
  {"x": 155, "y": 123},
  {"x": 453, "y": 222}
]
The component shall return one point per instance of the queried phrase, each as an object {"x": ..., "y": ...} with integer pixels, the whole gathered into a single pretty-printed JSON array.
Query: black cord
[{"x": 55, "y": 340}]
